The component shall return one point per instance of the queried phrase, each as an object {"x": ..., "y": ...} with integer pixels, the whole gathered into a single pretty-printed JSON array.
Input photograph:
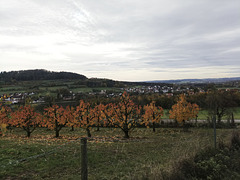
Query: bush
[
  {"x": 214, "y": 164},
  {"x": 235, "y": 140}
]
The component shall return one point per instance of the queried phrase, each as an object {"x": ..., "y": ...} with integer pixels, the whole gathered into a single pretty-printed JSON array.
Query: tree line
[
  {"x": 124, "y": 114},
  {"x": 12, "y": 77},
  {"x": 38, "y": 74}
]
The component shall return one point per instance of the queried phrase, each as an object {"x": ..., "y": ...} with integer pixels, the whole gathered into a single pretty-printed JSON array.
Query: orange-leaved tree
[
  {"x": 26, "y": 118},
  {"x": 108, "y": 115},
  {"x": 152, "y": 115},
  {"x": 5, "y": 113},
  {"x": 125, "y": 114},
  {"x": 69, "y": 116},
  {"x": 54, "y": 119},
  {"x": 84, "y": 116},
  {"x": 183, "y": 111},
  {"x": 99, "y": 115}
]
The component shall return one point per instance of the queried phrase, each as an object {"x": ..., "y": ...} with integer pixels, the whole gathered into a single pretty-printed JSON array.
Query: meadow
[
  {"x": 43, "y": 87},
  {"x": 204, "y": 113},
  {"x": 146, "y": 155}
]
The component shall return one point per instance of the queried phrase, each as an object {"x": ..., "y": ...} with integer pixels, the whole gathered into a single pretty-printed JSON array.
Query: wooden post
[{"x": 84, "y": 168}]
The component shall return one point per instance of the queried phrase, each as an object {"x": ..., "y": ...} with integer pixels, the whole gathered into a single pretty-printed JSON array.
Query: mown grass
[{"x": 145, "y": 154}]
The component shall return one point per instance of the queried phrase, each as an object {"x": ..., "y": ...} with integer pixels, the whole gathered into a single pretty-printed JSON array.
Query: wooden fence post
[{"x": 84, "y": 163}]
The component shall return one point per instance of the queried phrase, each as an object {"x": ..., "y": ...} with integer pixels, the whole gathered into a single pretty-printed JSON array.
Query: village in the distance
[{"x": 16, "y": 90}]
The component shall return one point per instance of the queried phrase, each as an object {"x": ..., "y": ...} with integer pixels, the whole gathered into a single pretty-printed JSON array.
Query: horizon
[
  {"x": 123, "y": 40},
  {"x": 120, "y": 80}
]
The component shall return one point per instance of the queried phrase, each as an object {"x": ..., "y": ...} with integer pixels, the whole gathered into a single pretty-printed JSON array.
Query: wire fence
[
  {"x": 114, "y": 153},
  {"x": 44, "y": 154},
  {"x": 59, "y": 147}
]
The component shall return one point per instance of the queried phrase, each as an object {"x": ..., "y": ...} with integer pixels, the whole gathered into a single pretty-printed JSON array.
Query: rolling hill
[{"x": 38, "y": 74}]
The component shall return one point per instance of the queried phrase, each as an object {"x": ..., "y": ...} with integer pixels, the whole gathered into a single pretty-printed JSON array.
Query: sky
[{"x": 128, "y": 40}]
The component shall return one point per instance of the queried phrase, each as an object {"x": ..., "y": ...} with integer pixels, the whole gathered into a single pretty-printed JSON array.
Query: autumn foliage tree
[
  {"x": 108, "y": 115},
  {"x": 84, "y": 116},
  {"x": 5, "y": 113},
  {"x": 55, "y": 119},
  {"x": 26, "y": 118},
  {"x": 125, "y": 114},
  {"x": 183, "y": 111},
  {"x": 68, "y": 115},
  {"x": 152, "y": 114},
  {"x": 99, "y": 115}
]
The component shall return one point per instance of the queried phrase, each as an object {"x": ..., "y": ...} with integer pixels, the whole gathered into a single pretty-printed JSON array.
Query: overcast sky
[{"x": 131, "y": 40}]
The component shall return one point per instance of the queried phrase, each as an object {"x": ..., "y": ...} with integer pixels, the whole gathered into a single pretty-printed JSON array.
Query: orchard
[{"x": 125, "y": 115}]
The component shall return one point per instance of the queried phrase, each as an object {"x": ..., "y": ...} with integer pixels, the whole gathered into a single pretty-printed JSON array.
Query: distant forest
[
  {"x": 38, "y": 74},
  {"x": 13, "y": 77}
]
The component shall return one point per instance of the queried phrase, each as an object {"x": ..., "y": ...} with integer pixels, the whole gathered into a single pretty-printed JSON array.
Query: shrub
[
  {"x": 235, "y": 140},
  {"x": 214, "y": 164}
]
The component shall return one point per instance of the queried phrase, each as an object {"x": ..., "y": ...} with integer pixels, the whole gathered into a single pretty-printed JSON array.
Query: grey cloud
[{"x": 157, "y": 33}]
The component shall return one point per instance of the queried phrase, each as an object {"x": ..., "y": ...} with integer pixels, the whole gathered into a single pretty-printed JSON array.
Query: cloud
[{"x": 139, "y": 40}]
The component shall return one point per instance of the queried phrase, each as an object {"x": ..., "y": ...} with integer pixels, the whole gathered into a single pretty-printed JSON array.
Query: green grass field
[
  {"x": 203, "y": 114},
  {"x": 46, "y": 87},
  {"x": 11, "y": 89},
  {"x": 144, "y": 155}
]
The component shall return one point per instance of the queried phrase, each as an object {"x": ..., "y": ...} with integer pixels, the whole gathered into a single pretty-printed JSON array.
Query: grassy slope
[
  {"x": 45, "y": 87},
  {"x": 145, "y": 154}
]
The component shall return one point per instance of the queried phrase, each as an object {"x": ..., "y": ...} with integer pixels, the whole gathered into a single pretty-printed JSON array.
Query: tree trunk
[
  {"x": 219, "y": 118},
  {"x": 88, "y": 132},
  {"x": 72, "y": 128},
  {"x": 98, "y": 125},
  {"x": 28, "y": 134},
  {"x": 56, "y": 129},
  {"x": 232, "y": 120},
  {"x": 126, "y": 134},
  {"x": 154, "y": 130},
  {"x": 196, "y": 119},
  {"x": 175, "y": 122},
  {"x": 57, "y": 133},
  {"x": 185, "y": 126},
  {"x": 228, "y": 119}
]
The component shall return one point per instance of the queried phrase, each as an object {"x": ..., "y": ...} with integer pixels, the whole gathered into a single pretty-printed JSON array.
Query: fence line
[{"x": 15, "y": 162}]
